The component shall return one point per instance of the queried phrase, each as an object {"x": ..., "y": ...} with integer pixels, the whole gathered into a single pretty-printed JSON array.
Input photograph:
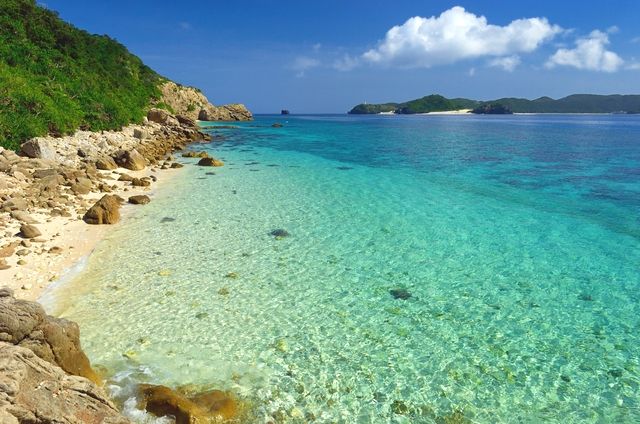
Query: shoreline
[{"x": 74, "y": 238}]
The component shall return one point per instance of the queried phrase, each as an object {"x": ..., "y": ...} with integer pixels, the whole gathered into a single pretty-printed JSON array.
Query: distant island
[{"x": 576, "y": 103}]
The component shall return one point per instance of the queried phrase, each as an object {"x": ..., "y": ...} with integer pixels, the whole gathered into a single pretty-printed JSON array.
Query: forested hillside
[{"x": 56, "y": 78}]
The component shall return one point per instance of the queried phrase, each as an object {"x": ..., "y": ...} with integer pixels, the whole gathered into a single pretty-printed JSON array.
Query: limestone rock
[
  {"x": 38, "y": 148},
  {"x": 206, "y": 407},
  {"x": 131, "y": 160},
  {"x": 55, "y": 340},
  {"x": 106, "y": 163},
  {"x": 23, "y": 216},
  {"x": 159, "y": 116},
  {"x": 33, "y": 390},
  {"x": 230, "y": 112},
  {"x": 139, "y": 200},
  {"x": 210, "y": 162},
  {"x": 140, "y": 134},
  {"x": 29, "y": 231},
  {"x": 104, "y": 211}
]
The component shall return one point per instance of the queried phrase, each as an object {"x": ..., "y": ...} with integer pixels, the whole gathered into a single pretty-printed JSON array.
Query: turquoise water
[{"x": 518, "y": 239}]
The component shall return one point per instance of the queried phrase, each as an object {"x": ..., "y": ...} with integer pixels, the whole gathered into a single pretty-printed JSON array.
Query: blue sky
[{"x": 328, "y": 56}]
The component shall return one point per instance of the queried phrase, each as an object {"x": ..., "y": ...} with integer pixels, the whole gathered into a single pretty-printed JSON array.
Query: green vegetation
[
  {"x": 55, "y": 78},
  {"x": 577, "y": 103}
]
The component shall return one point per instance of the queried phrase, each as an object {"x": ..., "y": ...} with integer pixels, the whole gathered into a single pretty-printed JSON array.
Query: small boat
[{"x": 284, "y": 112}]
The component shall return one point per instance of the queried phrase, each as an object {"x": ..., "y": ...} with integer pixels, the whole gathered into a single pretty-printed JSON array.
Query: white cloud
[
  {"x": 472, "y": 72},
  {"x": 316, "y": 47},
  {"x": 508, "y": 63},
  {"x": 457, "y": 35},
  {"x": 635, "y": 40},
  {"x": 301, "y": 64},
  {"x": 345, "y": 63},
  {"x": 633, "y": 66},
  {"x": 590, "y": 53}
]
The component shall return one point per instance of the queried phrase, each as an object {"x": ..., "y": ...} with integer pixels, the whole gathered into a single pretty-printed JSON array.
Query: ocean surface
[{"x": 438, "y": 269}]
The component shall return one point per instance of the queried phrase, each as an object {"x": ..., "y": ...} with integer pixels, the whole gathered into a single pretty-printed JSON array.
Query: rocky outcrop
[
  {"x": 33, "y": 390},
  {"x": 55, "y": 340},
  {"x": 104, "y": 211},
  {"x": 232, "y": 112},
  {"x": 189, "y": 102},
  {"x": 44, "y": 375},
  {"x": 200, "y": 408},
  {"x": 139, "y": 199}
]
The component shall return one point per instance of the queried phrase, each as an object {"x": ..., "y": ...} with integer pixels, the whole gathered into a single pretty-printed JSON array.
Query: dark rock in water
[
  {"x": 210, "y": 173},
  {"x": 210, "y": 162},
  {"x": 399, "y": 407},
  {"x": 586, "y": 297},
  {"x": 167, "y": 219},
  {"x": 277, "y": 125},
  {"x": 139, "y": 200},
  {"x": 204, "y": 407},
  {"x": 279, "y": 233},
  {"x": 273, "y": 165},
  {"x": 616, "y": 373},
  {"x": 402, "y": 294},
  {"x": 344, "y": 168}
]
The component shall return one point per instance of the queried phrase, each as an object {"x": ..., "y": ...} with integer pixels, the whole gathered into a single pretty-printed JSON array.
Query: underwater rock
[
  {"x": 167, "y": 219},
  {"x": 399, "y": 407},
  {"x": 209, "y": 406},
  {"x": 279, "y": 233},
  {"x": 193, "y": 154},
  {"x": 400, "y": 293},
  {"x": 277, "y": 125}
]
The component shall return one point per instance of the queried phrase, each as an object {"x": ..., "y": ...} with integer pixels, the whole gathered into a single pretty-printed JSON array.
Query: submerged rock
[
  {"x": 193, "y": 154},
  {"x": 209, "y": 406},
  {"x": 279, "y": 233},
  {"x": 399, "y": 293}
]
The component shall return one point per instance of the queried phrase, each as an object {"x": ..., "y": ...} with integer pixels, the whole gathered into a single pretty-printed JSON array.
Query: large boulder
[
  {"x": 29, "y": 231},
  {"x": 33, "y": 390},
  {"x": 130, "y": 159},
  {"x": 55, "y": 340},
  {"x": 205, "y": 407},
  {"x": 106, "y": 163},
  {"x": 39, "y": 149},
  {"x": 208, "y": 161},
  {"x": 104, "y": 211}
]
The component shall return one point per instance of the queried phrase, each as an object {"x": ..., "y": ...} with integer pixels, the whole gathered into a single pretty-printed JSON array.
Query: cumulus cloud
[
  {"x": 590, "y": 53},
  {"x": 301, "y": 64},
  {"x": 508, "y": 63},
  {"x": 457, "y": 35}
]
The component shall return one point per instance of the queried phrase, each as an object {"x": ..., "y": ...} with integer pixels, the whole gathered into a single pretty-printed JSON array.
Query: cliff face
[{"x": 190, "y": 102}]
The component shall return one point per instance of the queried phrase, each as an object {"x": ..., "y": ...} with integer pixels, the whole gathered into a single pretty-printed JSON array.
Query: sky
[{"x": 327, "y": 56}]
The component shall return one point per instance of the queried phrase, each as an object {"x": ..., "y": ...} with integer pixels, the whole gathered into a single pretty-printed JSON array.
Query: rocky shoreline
[{"x": 54, "y": 193}]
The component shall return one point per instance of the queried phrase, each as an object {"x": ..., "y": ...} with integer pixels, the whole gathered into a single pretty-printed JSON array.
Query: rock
[
  {"x": 104, "y": 211},
  {"x": 55, "y": 340},
  {"x": 210, "y": 162},
  {"x": 131, "y": 160},
  {"x": 3, "y": 264},
  {"x": 160, "y": 116},
  {"x": 15, "y": 203},
  {"x": 193, "y": 154},
  {"x": 22, "y": 252},
  {"x": 277, "y": 125},
  {"x": 176, "y": 165},
  {"x": 38, "y": 148},
  {"x": 230, "y": 112},
  {"x": 139, "y": 200},
  {"x": 140, "y": 182},
  {"x": 186, "y": 121},
  {"x": 23, "y": 216},
  {"x": 29, "y": 231},
  {"x": 125, "y": 177},
  {"x": 209, "y": 406},
  {"x": 55, "y": 250},
  {"x": 106, "y": 163},
  {"x": 400, "y": 293},
  {"x": 279, "y": 233},
  {"x": 42, "y": 173},
  {"x": 33, "y": 390},
  {"x": 140, "y": 134}
]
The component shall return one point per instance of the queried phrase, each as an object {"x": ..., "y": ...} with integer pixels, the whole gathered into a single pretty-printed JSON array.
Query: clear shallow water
[{"x": 517, "y": 237}]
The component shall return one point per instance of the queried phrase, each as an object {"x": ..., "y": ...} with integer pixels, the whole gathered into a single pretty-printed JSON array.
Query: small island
[{"x": 576, "y": 103}]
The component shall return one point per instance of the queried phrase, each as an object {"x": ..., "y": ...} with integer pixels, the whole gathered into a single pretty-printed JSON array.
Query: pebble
[
  {"x": 26, "y": 287},
  {"x": 22, "y": 262}
]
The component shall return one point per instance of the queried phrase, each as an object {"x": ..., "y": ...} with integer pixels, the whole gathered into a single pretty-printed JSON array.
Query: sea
[{"x": 383, "y": 269}]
